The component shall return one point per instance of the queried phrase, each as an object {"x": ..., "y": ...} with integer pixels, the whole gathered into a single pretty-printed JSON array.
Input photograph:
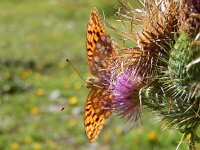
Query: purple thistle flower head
[{"x": 126, "y": 93}]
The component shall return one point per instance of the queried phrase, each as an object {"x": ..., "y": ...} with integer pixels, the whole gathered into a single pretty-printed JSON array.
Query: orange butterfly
[{"x": 99, "y": 101}]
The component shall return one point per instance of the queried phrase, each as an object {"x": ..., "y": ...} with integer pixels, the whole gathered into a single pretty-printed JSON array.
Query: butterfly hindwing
[
  {"x": 93, "y": 121},
  {"x": 94, "y": 116}
]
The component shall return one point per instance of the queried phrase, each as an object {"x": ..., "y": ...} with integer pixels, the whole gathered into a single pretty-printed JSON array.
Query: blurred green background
[{"x": 36, "y": 82}]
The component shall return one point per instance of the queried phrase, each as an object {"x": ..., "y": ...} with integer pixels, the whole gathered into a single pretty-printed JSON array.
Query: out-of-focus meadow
[{"x": 36, "y": 82}]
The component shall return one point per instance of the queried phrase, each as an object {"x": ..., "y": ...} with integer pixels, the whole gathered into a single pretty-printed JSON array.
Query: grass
[{"x": 35, "y": 81}]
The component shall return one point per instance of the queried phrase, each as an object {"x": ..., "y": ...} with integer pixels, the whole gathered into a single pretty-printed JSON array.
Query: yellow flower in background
[
  {"x": 38, "y": 76},
  {"x": 72, "y": 122},
  {"x": 52, "y": 145},
  {"x": 77, "y": 85},
  {"x": 31, "y": 37},
  {"x": 42, "y": 77},
  {"x": 152, "y": 136},
  {"x": 35, "y": 110},
  {"x": 66, "y": 83},
  {"x": 27, "y": 140},
  {"x": 45, "y": 78},
  {"x": 39, "y": 66},
  {"x": 118, "y": 131},
  {"x": 14, "y": 146},
  {"x": 33, "y": 49},
  {"x": 39, "y": 92},
  {"x": 107, "y": 136},
  {"x": 6, "y": 75},
  {"x": 58, "y": 34},
  {"x": 73, "y": 100},
  {"x": 25, "y": 74},
  {"x": 188, "y": 136},
  {"x": 62, "y": 64},
  {"x": 32, "y": 98},
  {"x": 73, "y": 76},
  {"x": 37, "y": 146}
]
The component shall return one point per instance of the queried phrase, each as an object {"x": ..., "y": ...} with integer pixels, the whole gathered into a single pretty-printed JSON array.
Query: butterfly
[{"x": 99, "y": 101}]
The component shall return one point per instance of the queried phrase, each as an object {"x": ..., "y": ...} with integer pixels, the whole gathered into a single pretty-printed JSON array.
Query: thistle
[
  {"x": 126, "y": 95},
  {"x": 166, "y": 61}
]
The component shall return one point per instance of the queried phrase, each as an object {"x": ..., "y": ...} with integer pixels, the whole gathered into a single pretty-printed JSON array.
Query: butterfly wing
[
  {"x": 99, "y": 50},
  {"x": 98, "y": 45},
  {"x": 95, "y": 117}
]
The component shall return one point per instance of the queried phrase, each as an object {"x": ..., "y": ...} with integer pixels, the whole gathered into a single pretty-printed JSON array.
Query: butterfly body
[
  {"x": 93, "y": 82},
  {"x": 99, "y": 102}
]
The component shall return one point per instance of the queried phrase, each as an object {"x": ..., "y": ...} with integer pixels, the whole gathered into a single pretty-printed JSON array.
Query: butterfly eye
[{"x": 91, "y": 80}]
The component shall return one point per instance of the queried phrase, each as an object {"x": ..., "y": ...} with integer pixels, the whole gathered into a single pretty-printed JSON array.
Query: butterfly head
[{"x": 92, "y": 82}]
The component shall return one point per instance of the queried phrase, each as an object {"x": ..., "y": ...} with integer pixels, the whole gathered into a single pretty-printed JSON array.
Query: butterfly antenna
[{"x": 67, "y": 60}]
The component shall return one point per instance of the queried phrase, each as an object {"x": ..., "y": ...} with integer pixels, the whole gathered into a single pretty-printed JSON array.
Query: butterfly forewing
[
  {"x": 98, "y": 44},
  {"x": 99, "y": 51}
]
